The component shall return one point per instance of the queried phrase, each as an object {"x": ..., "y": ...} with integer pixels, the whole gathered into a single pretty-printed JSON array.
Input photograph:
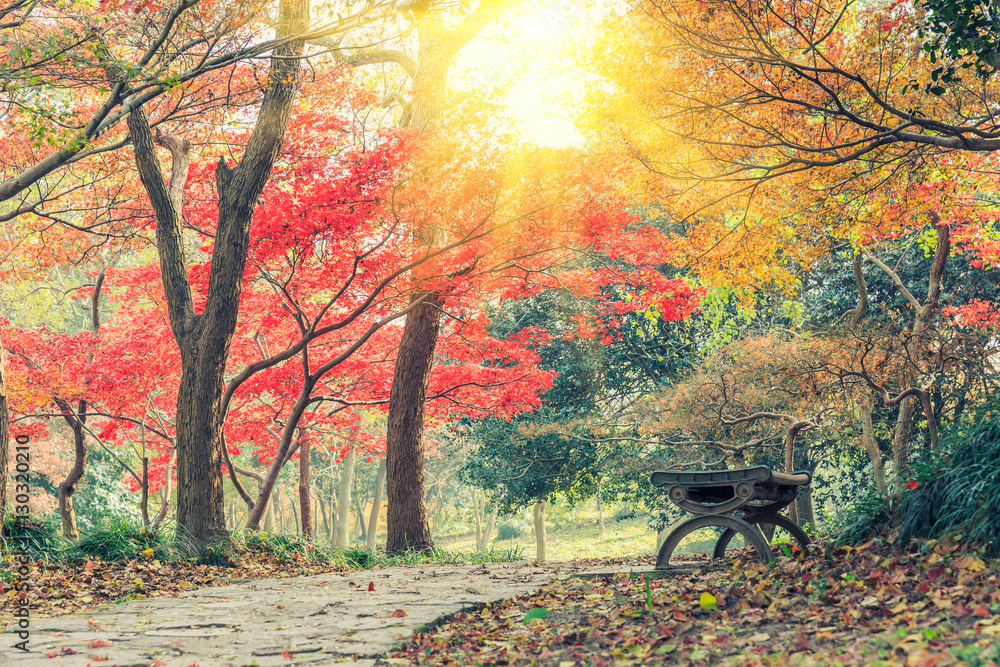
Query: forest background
[{"x": 266, "y": 265}]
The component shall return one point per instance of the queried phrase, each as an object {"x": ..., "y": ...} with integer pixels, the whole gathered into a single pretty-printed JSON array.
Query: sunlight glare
[{"x": 526, "y": 57}]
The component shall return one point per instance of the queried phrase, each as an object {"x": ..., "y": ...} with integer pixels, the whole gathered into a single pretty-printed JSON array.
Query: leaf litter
[
  {"x": 936, "y": 605},
  {"x": 55, "y": 589}
]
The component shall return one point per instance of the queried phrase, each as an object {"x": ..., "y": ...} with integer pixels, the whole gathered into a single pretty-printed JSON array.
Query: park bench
[{"x": 716, "y": 496}]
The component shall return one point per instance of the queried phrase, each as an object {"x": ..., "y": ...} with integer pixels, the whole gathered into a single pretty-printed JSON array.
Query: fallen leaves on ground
[
  {"x": 849, "y": 606},
  {"x": 54, "y": 590}
]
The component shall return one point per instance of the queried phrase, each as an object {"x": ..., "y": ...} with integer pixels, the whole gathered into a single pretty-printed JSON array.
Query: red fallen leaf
[
  {"x": 287, "y": 654},
  {"x": 280, "y": 606},
  {"x": 352, "y": 584},
  {"x": 99, "y": 643},
  {"x": 681, "y": 616},
  {"x": 371, "y": 586},
  {"x": 57, "y": 634},
  {"x": 912, "y": 484},
  {"x": 65, "y": 650},
  {"x": 399, "y": 613},
  {"x": 52, "y": 654},
  {"x": 98, "y": 658},
  {"x": 980, "y": 610},
  {"x": 924, "y": 588},
  {"x": 961, "y": 611},
  {"x": 89, "y": 565}
]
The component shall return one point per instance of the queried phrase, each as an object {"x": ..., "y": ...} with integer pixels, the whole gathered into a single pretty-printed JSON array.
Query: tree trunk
[
  {"x": 145, "y": 492},
  {"x": 269, "y": 519},
  {"x": 871, "y": 447},
  {"x": 362, "y": 526},
  {"x": 322, "y": 509},
  {"x": 168, "y": 481},
  {"x": 296, "y": 525},
  {"x": 204, "y": 338},
  {"x": 67, "y": 512},
  {"x": 406, "y": 522},
  {"x": 407, "y": 518},
  {"x": 479, "y": 513},
  {"x": 539, "y": 516},
  {"x": 344, "y": 500},
  {"x": 491, "y": 525},
  {"x": 804, "y": 509},
  {"x": 376, "y": 505},
  {"x": 304, "y": 499},
  {"x": 600, "y": 514}
]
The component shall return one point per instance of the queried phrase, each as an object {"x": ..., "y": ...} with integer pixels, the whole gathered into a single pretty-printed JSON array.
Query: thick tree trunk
[
  {"x": 407, "y": 518},
  {"x": 539, "y": 517},
  {"x": 406, "y": 527},
  {"x": 376, "y": 505},
  {"x": 871, "y": 447},
  {"x": 200, "y": 500},
  {"x": 204, "y": 338},
  {"x": 344, "y": 500},
  {"x": 304, "y": 499}
]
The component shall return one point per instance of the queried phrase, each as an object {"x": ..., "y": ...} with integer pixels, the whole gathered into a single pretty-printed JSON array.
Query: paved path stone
[{"x": 316, "y": 620}]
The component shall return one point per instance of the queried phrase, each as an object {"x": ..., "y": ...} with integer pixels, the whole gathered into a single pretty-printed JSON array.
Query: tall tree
[
  {"x": 204, "y": 338},
  {"x": 406, "y": 520}
]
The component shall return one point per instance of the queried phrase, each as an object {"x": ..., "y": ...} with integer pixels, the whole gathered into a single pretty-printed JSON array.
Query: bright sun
[{"x": 525, "y": 55}]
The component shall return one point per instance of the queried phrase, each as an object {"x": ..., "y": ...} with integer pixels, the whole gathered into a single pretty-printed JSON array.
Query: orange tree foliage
[{"x": 777, "y": 131}]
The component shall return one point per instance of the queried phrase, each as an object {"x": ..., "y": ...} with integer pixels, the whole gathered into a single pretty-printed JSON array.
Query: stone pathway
[{"x": 319, "y": 620}]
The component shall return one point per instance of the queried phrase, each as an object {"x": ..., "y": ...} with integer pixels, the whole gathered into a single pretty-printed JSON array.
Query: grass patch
[
  {"x": 125, "y": 540},
  {"x": 42, "y": 538},
  {"x": 445, "y": 557}
]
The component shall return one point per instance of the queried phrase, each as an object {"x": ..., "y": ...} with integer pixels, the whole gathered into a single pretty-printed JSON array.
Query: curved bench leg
[
  {"x": 749, "y": 533},
  {"x": 786, "y": 523},
  {"x": 728, "y": 534}
]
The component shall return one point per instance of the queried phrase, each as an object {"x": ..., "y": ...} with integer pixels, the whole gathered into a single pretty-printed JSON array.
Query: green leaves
[{"x": 538, "y": 612}]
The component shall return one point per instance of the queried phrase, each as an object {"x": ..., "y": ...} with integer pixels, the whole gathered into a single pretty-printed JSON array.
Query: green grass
[
  {"x": 42, "y": 538},
  {"x": 125, "y": 540},
  {"x": 626, "y": 538}
]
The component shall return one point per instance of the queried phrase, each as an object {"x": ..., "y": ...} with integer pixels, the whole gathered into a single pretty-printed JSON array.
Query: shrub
[
  {"x": 954, "y": 491},
  {"x": 296, "y": 548},
  {"x": 957, "y": 491},
  {"x": 512, "y": 529},
  {"x": 42, "y": 538},
  {"x": 126, "y": 539}
]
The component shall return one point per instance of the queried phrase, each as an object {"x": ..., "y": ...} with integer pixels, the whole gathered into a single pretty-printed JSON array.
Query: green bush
[
  {"x": 512, "y": 529},
  {"x": 296, "y": 548},
  {"x": 42, "y": 537},
  {"x": 954, "y": 491},
  {"x": 957, "y": 491},
  {"x": 868, "y": 516},
  {"x": 126, "y": 539}
]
